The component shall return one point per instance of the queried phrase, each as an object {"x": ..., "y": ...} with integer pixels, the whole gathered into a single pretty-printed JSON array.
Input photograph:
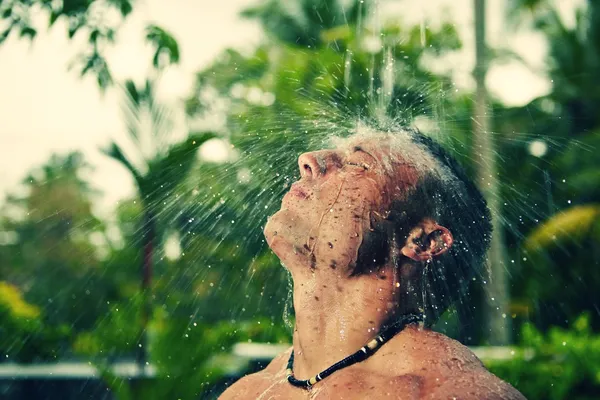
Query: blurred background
[{"x": 143, "y": 143}]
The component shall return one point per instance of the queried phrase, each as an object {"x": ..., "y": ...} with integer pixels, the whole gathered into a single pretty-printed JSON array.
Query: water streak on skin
[
  {"x": 275, "y": 383},
  {"x": 323, "y": 216}
]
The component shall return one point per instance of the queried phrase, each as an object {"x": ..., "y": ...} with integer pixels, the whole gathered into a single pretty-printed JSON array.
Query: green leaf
[
  {"x": 132, "y": 92},
  {"x": 114, "y": 151},
  {"x": 87, "y": 67},
  {"x": 252, "y": 12},
  {"x": 94, "y": 34},
  {"x": 103, "y": 76},
  {"x": 110, "y": 35},
  {"x": 73, "y": 7},
  {"x": 164, "y": 43},
  {"x": 126, "y": 7},
  {"x": 73, "y": 30},
  {"x": 54, "y": 15},
  {"x": 28, "y": 31},
  {"x": 4, "y": 35}
]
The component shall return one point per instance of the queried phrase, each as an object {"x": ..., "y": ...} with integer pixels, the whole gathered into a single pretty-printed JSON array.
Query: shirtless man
[{"x": 380, "y": 227}]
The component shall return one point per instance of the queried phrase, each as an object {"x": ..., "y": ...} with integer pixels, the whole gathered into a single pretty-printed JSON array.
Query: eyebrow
[{"x": 358, "y": 148}]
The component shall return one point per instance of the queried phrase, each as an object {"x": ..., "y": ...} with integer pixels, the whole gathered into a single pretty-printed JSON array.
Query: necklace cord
[{"x": 361, "y": 355}]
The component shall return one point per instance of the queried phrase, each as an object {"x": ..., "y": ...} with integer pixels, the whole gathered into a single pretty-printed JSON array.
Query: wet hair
[{"x": 453, "y": 201}]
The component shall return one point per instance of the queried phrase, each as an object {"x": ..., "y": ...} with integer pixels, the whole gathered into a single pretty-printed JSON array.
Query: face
[{"x": 325, "y": 215}]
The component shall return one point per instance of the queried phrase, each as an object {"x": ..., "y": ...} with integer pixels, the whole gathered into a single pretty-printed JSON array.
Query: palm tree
[{"x": 158, "y": 165}]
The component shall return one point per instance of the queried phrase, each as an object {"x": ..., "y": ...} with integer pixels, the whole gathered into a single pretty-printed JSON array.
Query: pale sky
[{"x": 45, "y": 108}]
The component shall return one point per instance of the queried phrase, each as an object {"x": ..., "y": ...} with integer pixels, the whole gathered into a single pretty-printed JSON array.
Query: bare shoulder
[
  {"x": 460, "y": 374},
  {"x": 242, "y": 386},
  {"x": 435, "y": 349},
  {"x": 279, "y": 363},
  {"x": 451, "y": 370},
  {"x": 480, "y": 385},
  {"x": 470, "y": 380}
]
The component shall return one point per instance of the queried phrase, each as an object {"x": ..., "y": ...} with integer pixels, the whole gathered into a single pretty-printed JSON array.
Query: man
[{"x": 381, "y": 234}]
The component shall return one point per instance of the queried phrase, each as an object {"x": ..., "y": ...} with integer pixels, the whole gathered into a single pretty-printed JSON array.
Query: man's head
[{"x": 379, "y": 200}]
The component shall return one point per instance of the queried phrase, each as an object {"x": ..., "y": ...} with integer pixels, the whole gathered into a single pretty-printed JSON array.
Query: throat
[
  {"x": 360, "y": 355},
  {"x": 335, "y": 319}
]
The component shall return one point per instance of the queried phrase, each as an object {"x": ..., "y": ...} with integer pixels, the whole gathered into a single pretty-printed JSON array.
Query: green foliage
[
  {"x": 115, "y": 334},
  {"x": 573, "y": 225},
  {"x": 54, "y": 226},
  {"x": 303, "y": 22},
  {"x": 560, "y": 364},
  {"x": 552, "y": 225},
  {"x": 188, "y": 370},
  {"x": 24, "y": 336},
  {"x": 92, "y": 18},
  {"x": 314, "y": 78},
  {"x": 573, "y": 59},
  {"x": 159, "y": 169},
  {"x": 164, "y": 45},
  {"x": 188, "y": 355}
]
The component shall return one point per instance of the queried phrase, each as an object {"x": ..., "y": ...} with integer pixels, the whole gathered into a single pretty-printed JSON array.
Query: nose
[
  {"x": 309, "y": 165},
  {"x": 317, "y": 163}
]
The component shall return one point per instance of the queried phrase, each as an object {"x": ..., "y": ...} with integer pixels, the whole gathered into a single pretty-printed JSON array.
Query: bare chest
[{"x": 346, "y": 386}]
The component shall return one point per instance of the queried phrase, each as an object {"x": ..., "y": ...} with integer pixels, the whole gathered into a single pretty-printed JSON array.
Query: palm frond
[
  {"x": 148, "y": 122},
  {"x": 114, "y": 151},
  {"x": 167, "y": 171},
  {"x": 164, "y": 44},
  {"x": 572, "y": 225}
]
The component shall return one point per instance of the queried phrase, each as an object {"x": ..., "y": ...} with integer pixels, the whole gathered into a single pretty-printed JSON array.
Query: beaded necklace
[{"x": 365, "y": 352}]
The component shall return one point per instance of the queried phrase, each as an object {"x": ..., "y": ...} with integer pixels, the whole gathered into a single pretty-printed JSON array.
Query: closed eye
[{"x": 364, "y": 166}]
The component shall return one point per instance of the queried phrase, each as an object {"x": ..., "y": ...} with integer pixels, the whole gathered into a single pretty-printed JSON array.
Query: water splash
[{"x": 289, "y": 305}]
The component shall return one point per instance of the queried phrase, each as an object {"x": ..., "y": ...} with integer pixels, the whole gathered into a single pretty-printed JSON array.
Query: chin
[
  {"x": 271, "y": 229},
  {"x": 284, "y": 235},
  {"x": 276, "y": 228}
]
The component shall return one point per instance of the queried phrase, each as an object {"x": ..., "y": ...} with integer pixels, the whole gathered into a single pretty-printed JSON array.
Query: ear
[{"x": 426, "y": 241}]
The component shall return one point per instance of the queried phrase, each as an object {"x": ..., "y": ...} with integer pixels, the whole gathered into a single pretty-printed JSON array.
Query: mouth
[{"x": 297, "y": 191}]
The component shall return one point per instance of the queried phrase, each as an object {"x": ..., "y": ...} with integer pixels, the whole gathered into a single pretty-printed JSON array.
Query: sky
[{"x": 46, "y": 108}]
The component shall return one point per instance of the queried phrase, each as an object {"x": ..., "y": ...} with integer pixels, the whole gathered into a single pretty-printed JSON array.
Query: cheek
[
  {"x": 338, "y": 250},
  {"x": 342, "y": 232}
]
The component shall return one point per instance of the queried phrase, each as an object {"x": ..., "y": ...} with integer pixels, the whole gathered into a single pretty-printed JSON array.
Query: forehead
[
  {"x": 391, "y": 150},
  {"x": 385, "y": 149},
  {"x": 374, "y": 140}
]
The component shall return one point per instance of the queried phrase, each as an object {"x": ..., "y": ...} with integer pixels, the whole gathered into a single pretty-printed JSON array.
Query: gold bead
[
  {"x": 313, "y": 380},
  {"x": 373, "y": 344}
]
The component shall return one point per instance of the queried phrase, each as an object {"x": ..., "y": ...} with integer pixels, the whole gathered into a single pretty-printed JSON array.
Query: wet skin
[
  {"x": 317, "y": 235},
  {"x": 415, "y": 364}
]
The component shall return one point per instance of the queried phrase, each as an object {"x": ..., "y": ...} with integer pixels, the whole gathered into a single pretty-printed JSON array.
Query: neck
[{"x": 337, "y": 315}]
